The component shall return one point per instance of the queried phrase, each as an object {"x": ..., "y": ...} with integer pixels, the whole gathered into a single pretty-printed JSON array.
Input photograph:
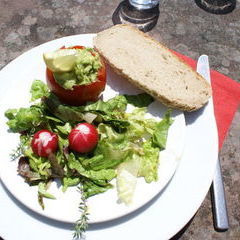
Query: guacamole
[{"x": 84, "y": 71}]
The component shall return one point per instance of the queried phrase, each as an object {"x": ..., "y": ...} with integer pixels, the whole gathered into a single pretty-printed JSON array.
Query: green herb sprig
[
  {"x": 16, "y": 153},
  {"x": 81, "y": 224}
]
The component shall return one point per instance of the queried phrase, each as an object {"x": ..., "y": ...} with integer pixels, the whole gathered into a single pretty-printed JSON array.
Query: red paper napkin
[{"x": 226, "y": 98}]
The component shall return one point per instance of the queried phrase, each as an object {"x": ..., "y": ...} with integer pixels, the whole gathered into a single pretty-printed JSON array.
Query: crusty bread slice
[{"x": 152, "y": 67}]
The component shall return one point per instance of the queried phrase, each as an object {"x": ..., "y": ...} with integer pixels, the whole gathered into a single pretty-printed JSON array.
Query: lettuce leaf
[
  {"x": 92, "y": 188},
  {"x": 103, "y": 174},
  {"x": 161, "y": 131},
  {"x": 113, "y": 146},
  {"x": 42, "y": 191},
  {"x": 61, "y": 111},
  {"x": 24, "y": 119},
  {"x": 25, "y": 171},
  {"x": 127, "y": 173},
  {"x": 149, "y": 162},
  {"x": 38, "y": 90},
  {"x": 112, "y": 106},
  {"x": 69, "y": 182},
  {"x": 38, "y": 164}
]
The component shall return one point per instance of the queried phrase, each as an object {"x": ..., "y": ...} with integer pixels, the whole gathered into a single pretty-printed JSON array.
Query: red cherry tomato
[
  {"x": 44, "y": 143},
  {"x": 82, "y": 93},
  {"x": 83, "y": 138}
]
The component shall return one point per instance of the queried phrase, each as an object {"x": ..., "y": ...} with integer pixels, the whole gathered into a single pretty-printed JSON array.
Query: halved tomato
[{"x": 81, "y": 93}]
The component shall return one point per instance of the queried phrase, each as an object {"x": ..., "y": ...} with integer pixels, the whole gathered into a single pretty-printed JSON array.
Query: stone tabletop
[{"x": 182, "y": 26}]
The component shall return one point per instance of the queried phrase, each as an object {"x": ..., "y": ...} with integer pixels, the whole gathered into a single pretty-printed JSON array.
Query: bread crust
[{"x": 172, "y": 102}]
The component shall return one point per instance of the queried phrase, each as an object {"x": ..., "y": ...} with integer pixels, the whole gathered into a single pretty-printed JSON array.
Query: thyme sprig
[
  {"x": 21, "y": 147},
  {"x": 81, "y": 224},
  {"x": 17, "y": 153}
]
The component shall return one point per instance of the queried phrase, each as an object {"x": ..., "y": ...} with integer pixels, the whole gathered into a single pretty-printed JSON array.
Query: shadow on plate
[{"x": 191, "y": 117}]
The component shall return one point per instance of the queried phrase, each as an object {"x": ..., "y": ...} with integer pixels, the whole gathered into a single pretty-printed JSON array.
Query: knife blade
[{"x": 220, "y": 214}]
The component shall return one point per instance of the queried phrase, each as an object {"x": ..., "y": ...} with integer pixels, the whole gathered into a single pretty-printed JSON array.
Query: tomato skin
[
  {"x": 44, "y": 143},
  {"x": 82, "y": 93},
  {"x": 83, "y": 138}
]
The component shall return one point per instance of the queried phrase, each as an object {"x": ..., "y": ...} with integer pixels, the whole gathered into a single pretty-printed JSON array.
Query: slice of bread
[{"x": 152, "y": 67}]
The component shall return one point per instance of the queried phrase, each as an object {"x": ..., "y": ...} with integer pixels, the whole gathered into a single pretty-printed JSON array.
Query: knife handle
[{"x": 220, "y": 214}]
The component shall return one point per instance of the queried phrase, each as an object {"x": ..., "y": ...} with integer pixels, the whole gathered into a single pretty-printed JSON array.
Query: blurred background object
[
  {"x": 141, "y": 13},
  {"x": 217, "y": 6}
]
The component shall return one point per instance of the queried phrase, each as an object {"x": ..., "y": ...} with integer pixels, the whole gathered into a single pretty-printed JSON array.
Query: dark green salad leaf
[
  {"x": 160, "y": 135},
  {"x": 140, "y": 100}
]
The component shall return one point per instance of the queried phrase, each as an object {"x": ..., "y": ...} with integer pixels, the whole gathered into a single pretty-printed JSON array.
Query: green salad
[{"x": 128, "y": 144}]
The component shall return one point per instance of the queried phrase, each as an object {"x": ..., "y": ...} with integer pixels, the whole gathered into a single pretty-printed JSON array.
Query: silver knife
[{"x": 220, "y": 215}]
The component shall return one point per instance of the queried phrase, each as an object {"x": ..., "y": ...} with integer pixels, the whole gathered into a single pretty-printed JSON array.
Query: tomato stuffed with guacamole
[{"x": 83, "y": 81}]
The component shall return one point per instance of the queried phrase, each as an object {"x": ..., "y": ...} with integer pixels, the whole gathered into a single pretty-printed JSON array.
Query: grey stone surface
[{"x": 182, "y": 26}]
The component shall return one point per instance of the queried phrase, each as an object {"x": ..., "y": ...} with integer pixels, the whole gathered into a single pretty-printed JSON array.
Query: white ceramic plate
[
  {"x": 22, "y": 72},
  {"x": 162, "y": 217}
]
